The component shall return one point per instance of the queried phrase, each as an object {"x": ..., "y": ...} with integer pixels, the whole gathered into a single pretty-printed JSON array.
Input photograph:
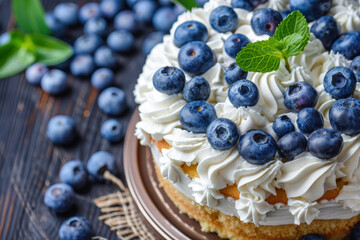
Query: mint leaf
[
  {"x": 30, "y": 17},
  {"x": 187, "y": 4}
]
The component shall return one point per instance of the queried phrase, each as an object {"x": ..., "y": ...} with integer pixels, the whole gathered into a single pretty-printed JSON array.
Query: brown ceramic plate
[{"x": 153, "y": 203}]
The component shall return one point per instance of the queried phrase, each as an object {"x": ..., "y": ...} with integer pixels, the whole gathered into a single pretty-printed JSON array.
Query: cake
[{"x": 223, "y": 192}]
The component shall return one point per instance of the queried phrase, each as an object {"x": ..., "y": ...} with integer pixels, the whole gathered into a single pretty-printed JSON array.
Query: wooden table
[{"x": 30, "y": 163}]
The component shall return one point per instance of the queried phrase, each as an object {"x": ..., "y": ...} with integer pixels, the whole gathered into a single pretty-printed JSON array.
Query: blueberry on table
[
  {"x": 300, "y": 95},
  {"x": 344, "y": 116},
  {"x": 76, "y": 228},
  {"x": 222, "y": 134},
  {"x": 95, "y": 25},
  {"x": 102, "y": 78},
  {"x": 325, "y": 28},
  {"x": 340, "y": 82},
  {"x": 164, "y": 18},
  {"x": 82, "y": 66},
  {"x": 197, "y": 88},
  {"x": 243, "y": 93},
  {"x": 283, "y": 125},
  {"x": 87, "y": 44},
  {"x": 54, "y": 82},
  {"x": 56, "y": 27},
  {"x": 312, "y": 237},
  {"x": 120, "y": 41},
  {"x": 325, "y": 143},
  {"x": 111, "y": 130},
  {"x": 144, "y": 10},
  {"x": 169, "y": 80},
  {"x": 151, "y": 41},
  {"x": 348, "y": 44},
  {"x": 196, "y": 116},
  {"x": 196, "y": 58},
  {"x": 265, "y": 21},
  {"x": 291, "y": 144},
  {"x": 112, "y": 101},
  {"x": 244, "y": 4},
  {"x": 105, "y": 57},
  {"x": 234, "y": 43},
  {"x": 234, "y": 73},
  {"x": 285, "y": 13},
  {"x": 190, "y": 31},
  {"x": 125, "y": 20},
  {"x": 355, "y": 66},
  {"x": 61, "y": 130},
  {"x": 257, "y": 147},
  {"x": 309, "y": 119},
  {"x": 67, "y": 13},
  {"x": 74, "y": 174},
  {"x": 99, "y": 163},
  {"x": 311, "y": 9},
  {"x": 223, "y": 19},
  {"x": 109, "y": 8},
  {"x": 59, "y": 197},
  {"x": 35, "y": 72},
  {"x": 355, "y": 232},
  {"x": 88, "y": 11}
]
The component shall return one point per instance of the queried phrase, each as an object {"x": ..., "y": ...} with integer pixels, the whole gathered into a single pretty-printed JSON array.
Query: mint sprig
[{"x": 290, "y": 39}]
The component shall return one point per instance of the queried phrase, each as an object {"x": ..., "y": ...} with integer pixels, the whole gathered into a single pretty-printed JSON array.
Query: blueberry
[
  {"x": 112, "y": 101},
  {"x": 256, "y": 3},
  {"x": 54, "y": 82},
  {"x": 312, "y": 237},
  {"x": 283, "y": 125},
  {"x": 265, "y": 21},
  {"x": 61, "y": 130},
  {"x": 87, "y": 44},
  {"x": 59, "y": 197},
  {"x": 102, "y": 78},
  {"x": 67, "y": 13},
  {"x": 291, "y": 145},
  {"x": 82, "y": 66},
  {"x": 311, "y": 9},
  {"x": 56, "y": 27},
  {"x": 244, "y": 4},
  {"x": 196, "y": 89},
  {"x": 100, "y": 162},
  {"x": 144, "y": 10},
  {"x": 340, "y": 82},
  {"x": 325, "y": 143},
  {"x": 243, "y": 93},
  {"x": 355, "y": 66},
  {"x": 95, "y": 26},
  {"x": 4, "y": 38},
  {"x": 325, "y": 28},
  {"x": 223, "y": 19},
  {"x": 222, "y": 133},
  {"x": 309, "y": 119},
  {"x": 112, "y": 130},
  {"x": 109, "y": 8},
  {"x": 120, "y": 41},
  {"x": 125, "y": 20},
  {"x": 234, "y": 73},
  {"x": 169, "y": 80},
  {"x": 348, "y": 44},
  {"x": 201, "y": 2},
  {"x": 151, "y": 41},
  {"x": 355, "y": 232},
  {"x": 234, "y": 43},
  {"x": 257, "y": 147},
  {"x": 164, "y": 18},
  {"x": 190, "y": 31},
  {"x": 285, "y": 13},
  {"x": 178, "y": 10},
  {"x": 88, "y": 11},
  {"x": 300, "y": 95},
  {"x": 74, "y": 173},
  {"x": 75, "y": 228},
  {"x": 105, "y": 57},
  {"x": 196, "y": 116},
  {"x": 344, "y": 116},
  {"x": 35, "y": 72},
  {"x": 196, "y": 58}
]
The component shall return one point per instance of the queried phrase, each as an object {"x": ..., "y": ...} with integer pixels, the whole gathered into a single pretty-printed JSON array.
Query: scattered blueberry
[
  {"x": 87, "y": 44},
  {"x": 67, "y": 13},
  {"x": 102, "y": 78},
  {"x": 125, "y": 20},
  {"x": 311, "y": 9},
  {"x": 169, "y": 80},
  {"x": 56, "y": 27},
  {"x": 151, "y": 41},
  {"x": 222, "y": 134},
  {"x": 234, "y": 43},
  {"x": 291, "y": 145},
  {"x": 99, "y": 162},
  {"x": 257, "y": 147},
  {"x": 309, "y": 119},
  {"x": 340, "y": 82},
  {"x": 95, "y": 26},
  {"x": 82, "y": 66},
  {"x": 348, "y": 44},
  {"x": 74, "y": 173},
  {"x": 300, "y": 95},
  {"x": 244, "y": 4},
  {"x": 196, "y": 116},
  {"x": 35, "y": 72},
  {"x": 196, "y": 89},
  {"x": 61, "y": 130},
  {"x": 234, "y": 73},
  {"x": 196, "y": 58},
  {"x": 312, "y": 237},
  {"x": 355, "y": 66},
  {"x": 243, "y": 93},
  {"x": 75, "y": 228},
  {"x": 265, "y": 21},
  {"x": 88, "y": 11},
  {"x": 325, "y": 143},
  {"x": 325, "y": 28},
  {"x": 190, "y": 31},
  {"x": 112, "y": 130},
  {"x": 112, "y": 101},
  {"x": 105, "y": 57},
  {"x": 54, "y": 82},
  {"x": 285, "y": 13},
  {"x": 144, "y": 10},
  {"x": 344, "y": 116},
  {"x": 59, "y": 197},
  {"x": 109, "y": 8},
  {"x": 178, "y": 10},
  {"x": 120, "y": 41},
  {"x": 283, "y": 125},
  {"x": 164, "y": 18},
  {"x": 355, "y": 232},
  {"x": 223, "y": 19}
]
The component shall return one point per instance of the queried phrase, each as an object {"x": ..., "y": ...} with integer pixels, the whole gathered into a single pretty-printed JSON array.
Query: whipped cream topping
[
  {"x": 347, "y": 16},
  {"x": 204, "y": 193},
  {"x": 278, "y": 5},
  {"x": 303, "y": 211}
]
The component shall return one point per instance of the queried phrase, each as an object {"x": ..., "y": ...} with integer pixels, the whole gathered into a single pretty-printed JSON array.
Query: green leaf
[
  {"x": 49, "y": 50},
  {"x": 187, "y": 4},
  {"x": 294, "y": 45},
  {"x": 30, "y": 16},
  {"x": 261, "y": 56}
]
